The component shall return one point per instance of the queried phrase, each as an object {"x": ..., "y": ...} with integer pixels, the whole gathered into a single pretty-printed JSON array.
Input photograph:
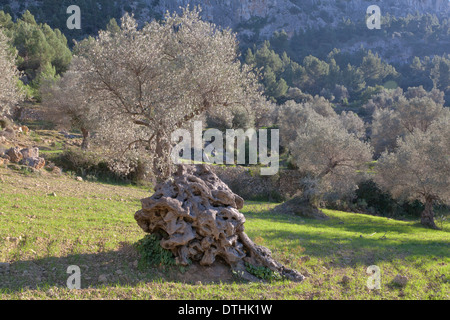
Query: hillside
[
  {"x": 293, "y": 15},
  {"x": 49, "y": 222},
  {"x": 255, "y": 21}
]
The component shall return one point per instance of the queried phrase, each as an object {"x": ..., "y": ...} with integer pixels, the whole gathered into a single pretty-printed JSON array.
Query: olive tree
[
  {"x": 419, "y": 169},
  {"x": 149, "y": 82},
  {"x": 416, "y": 109},
  {"x": 67, "y": 104},
  {"x": 331, "y": 157},
  {"x": 353, "y": 123},
  {"x": 9, "y": 93}
]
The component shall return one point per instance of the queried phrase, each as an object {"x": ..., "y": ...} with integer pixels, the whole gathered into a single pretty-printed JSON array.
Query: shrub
[
  {"x": 369, "y": 195},
  {"x": 152, "y": 254},
  {"x": 262, "y": 272},
  {"x": 94, "y": 167}
]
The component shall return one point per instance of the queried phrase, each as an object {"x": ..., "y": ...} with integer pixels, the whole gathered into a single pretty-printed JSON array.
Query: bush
[
  {"x": 371, "y": 199},
  {"x": 82, "y": 163},
  {"x": 5, "y": 123},
  {"x": 262, "y": 272},
  {"x": 369, "y": 195},
  {"x": 93, "y": 167}
]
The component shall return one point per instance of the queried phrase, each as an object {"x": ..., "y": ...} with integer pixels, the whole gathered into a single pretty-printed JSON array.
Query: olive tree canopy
[
  {"x": 148, "y": 82},
  {"x": 419, "y": 169},
  {"x": 332, "y": 157}
]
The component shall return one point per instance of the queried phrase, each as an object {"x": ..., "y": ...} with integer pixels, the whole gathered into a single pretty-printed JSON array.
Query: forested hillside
[{"x": 323, "y": 48}]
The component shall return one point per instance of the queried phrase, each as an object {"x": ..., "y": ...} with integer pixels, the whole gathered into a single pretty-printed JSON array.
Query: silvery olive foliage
[
  {"x": 67, "y": 104},
  {"x": 419, "y": 169},
  {"x": 402, "y": 113},
  {"x": 333, "y": 158},
  {"x": 9, "y": 93},
  {"x": 148, "y": 82},
  {"x": 291, "y": 114},
  {"x": 353, "y": 123}
]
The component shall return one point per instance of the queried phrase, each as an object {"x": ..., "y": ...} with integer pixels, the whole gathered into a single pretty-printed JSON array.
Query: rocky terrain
[
  {"x": 267, "y": 16},
  {"x": 263, "y": 17}
]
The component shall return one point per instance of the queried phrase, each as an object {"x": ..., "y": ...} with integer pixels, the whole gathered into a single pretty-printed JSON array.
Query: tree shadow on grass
[
  {"x": 352, "y": 240},
  {"x": 351, "y": 251},
  {"x": 109, "y": 268}
]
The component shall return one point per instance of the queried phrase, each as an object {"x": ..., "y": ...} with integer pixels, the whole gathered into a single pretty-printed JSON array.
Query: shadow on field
[
  {"x": 97, "y": 269},
  {"x": 357, "y": 239},
  {"x": 360, "y": 249}
]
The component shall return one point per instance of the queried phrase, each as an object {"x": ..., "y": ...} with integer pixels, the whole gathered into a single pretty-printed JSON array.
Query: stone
[
  {"x": 30, "y": 153},
  {"x": 25, "y": 129},
  {"x": 79, "y": 179},
  {"x": 57, "y": 170},
  {"x": 8, "y": 133},
  {"x": 197, "y": 217},
  {"x": 400, "y": 280},
  {"x": 35, "y": 162},
  {"x": 14, "y": 154},
  {"x": 103, "y": 278},
  {"x": 2, "y": 139}
]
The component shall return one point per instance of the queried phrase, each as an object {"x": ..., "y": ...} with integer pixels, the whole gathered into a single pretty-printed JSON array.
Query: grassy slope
[{"x": 91, "y": 225}]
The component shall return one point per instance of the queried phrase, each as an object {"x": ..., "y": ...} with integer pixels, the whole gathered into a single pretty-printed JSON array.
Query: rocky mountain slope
[
  {"x": 266, "y": 16},
  {"x": 248, "y": 17}
]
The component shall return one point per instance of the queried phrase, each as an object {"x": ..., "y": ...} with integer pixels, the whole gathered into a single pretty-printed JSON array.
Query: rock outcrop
[
  {"x": 14, "y": 154},
  {"x": 198, "y": 219}
]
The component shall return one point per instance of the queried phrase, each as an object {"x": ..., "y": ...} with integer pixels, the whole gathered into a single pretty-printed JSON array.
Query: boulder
[
  {"x": 14, "y": 154},
  {"x": 34, "y": 162},
  {"x": 197, "y": 217},
  {"x": 30, "y": 153},
  {"x": 8, "y": 133},
  {"x": 25, "y": 129},
  {"x": 3, "y": 161}
]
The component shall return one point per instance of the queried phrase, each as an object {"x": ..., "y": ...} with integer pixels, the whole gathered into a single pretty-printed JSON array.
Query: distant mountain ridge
[
  {"x": 248, "y": 17},
  {"x": 267, "y": 16},
  {"x": 257, "y": 20}
]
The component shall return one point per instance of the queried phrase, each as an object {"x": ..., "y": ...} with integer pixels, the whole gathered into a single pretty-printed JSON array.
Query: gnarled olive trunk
[{"x": 427, "y": 218}]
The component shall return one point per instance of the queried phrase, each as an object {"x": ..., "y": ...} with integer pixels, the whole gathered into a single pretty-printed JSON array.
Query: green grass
[{"x": 91, "y": 225}]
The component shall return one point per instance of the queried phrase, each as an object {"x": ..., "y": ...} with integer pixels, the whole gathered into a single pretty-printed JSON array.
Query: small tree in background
[
  {"x": 416, "y": 109},
  {"x": 67, "y": 104},
  {"x": 331, "y": 157},
  {"x": 419, "y": 169}
]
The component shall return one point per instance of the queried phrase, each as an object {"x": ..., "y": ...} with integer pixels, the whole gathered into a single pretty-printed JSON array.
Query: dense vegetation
[
  {"x": 365, "y": 132},
  {"x": 96, "y": 14},
  {"x": 211, "y": 82},
  {"x": 344, "y": 77},
  {"x": 43, "y": 53}
]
